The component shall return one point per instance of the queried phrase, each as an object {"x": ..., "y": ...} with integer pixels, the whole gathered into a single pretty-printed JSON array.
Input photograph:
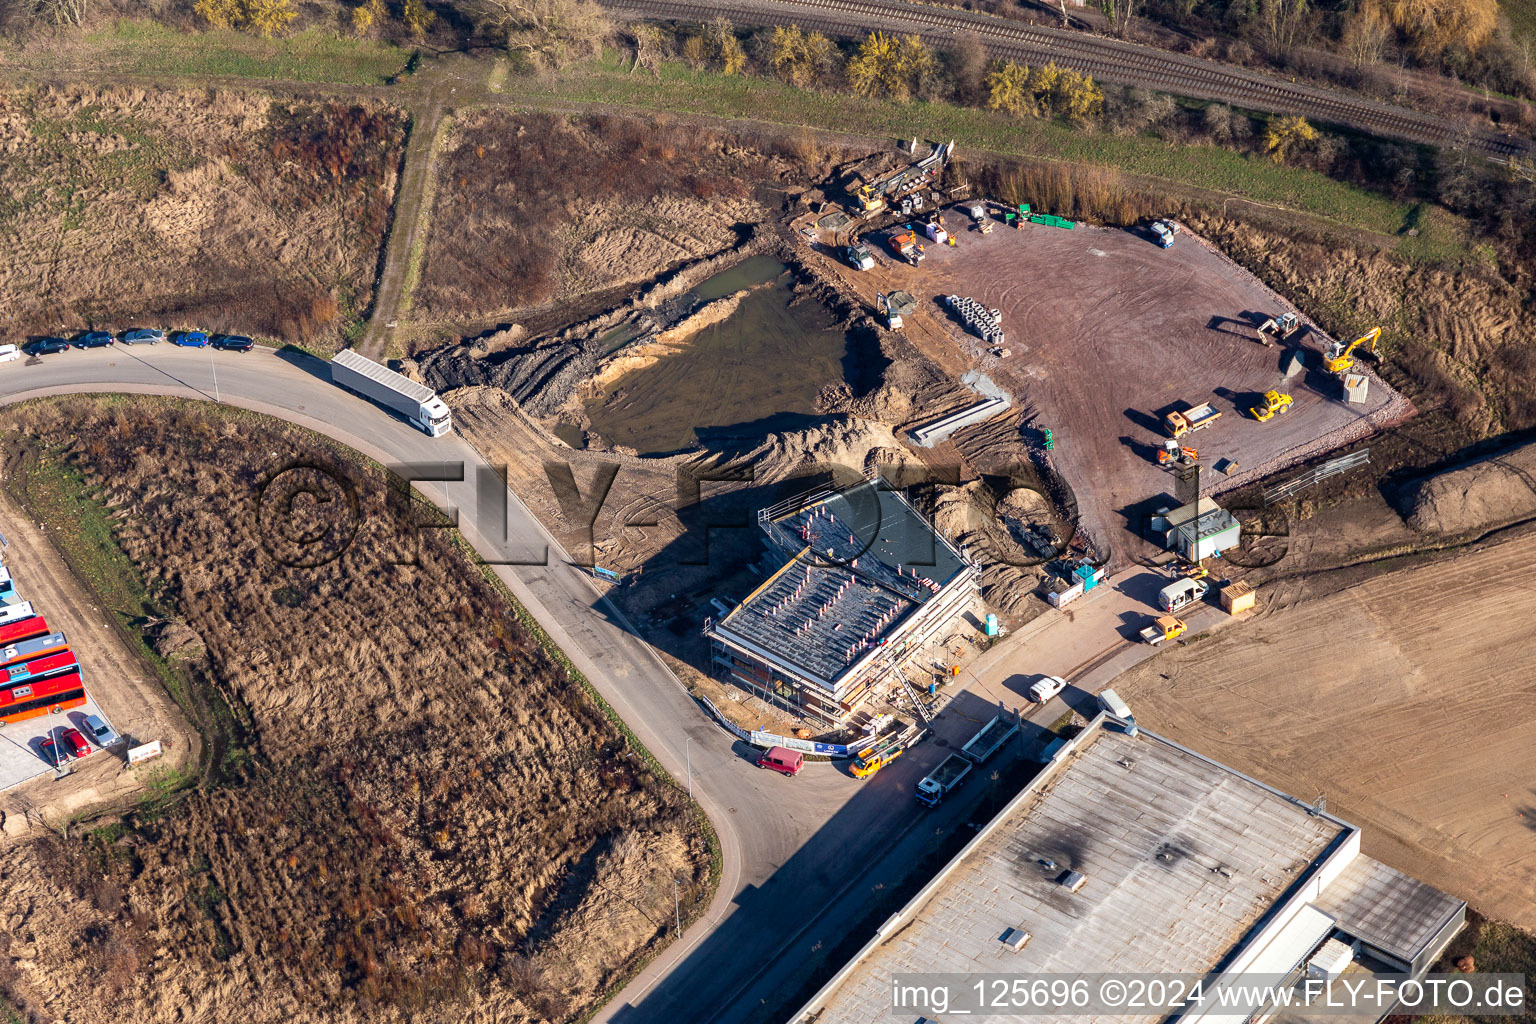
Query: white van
[
  {"x": 1176, "y": 595},
  {"x": 9, "y": 352}
]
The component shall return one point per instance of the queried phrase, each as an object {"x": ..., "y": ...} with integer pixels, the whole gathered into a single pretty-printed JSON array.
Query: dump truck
[
  {"x": 943, "y": 780},
  {"x": 1165, "y": 628},
  {"x": 1179, "y": 423},
  {"x": 418, "y": 403},
  {"x": 859, "y": 257},
  {"x": 906, "y": 245},
  {"x": 877, "y": 755},
  {"x": 991, "y": 737}
]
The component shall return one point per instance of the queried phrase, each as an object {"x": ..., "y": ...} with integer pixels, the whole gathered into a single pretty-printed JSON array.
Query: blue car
[
  {"x": 45, "y": 346},
  {"x": 190, "y": 339},
  {"x": 92, "y": 339}
]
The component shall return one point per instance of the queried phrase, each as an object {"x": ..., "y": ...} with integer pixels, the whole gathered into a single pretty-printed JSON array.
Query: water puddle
[{"x": 755, "y": 373}]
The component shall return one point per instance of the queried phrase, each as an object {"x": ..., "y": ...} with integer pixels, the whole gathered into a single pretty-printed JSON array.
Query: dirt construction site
[
  {"x": 1418, "y": 726},
  {"x": 1105, "y": 332}
]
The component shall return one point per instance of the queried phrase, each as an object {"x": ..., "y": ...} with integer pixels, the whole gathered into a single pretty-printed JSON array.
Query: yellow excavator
[
  {"x": 1339, "y": 358},
  {"x": 1273, "y": 402}
]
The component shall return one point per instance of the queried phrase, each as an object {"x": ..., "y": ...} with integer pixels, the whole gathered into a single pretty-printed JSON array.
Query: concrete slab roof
[
  {"x": 1182, "y": 857},
  {"x": 863, "y": 562}
]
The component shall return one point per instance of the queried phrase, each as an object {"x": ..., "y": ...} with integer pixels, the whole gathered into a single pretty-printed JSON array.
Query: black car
[
  {"x": 92, "y": 339},
  {"x": 233, "y": 342},
  {"x": 45, "y": 346}
]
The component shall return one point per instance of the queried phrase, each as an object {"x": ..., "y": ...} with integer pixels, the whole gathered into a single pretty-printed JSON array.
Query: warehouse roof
[{"x": 1182, "y": 858}]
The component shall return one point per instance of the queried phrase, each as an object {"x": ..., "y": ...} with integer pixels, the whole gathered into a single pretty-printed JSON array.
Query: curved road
[{"x": 785, "y": 860}]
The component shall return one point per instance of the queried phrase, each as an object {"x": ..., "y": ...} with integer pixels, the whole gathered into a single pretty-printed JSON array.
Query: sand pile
[{"x": 1497, "y": 490}]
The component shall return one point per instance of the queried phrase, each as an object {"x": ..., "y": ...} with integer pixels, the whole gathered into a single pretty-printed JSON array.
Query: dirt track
[
  {"x": 1106, "y": 331},
  {"x": 1409, "y": 701}
]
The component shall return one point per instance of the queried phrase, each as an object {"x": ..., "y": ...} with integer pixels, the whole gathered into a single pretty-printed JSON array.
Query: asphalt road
[{"x": 790, "y": 845}]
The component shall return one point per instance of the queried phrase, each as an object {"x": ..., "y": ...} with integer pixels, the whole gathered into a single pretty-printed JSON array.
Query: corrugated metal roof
[
  {"x": 384, "y": 375},
  {"x": 1388, "y": 909}
]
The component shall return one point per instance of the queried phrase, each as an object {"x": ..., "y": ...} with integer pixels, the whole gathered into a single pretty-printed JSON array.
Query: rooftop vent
[
  {"x": 1047, "y": 863},
  {"x": 1072, "y": 880},
  {"x": 1126, "y": 763},
  {"x": 1222, "y": 870},
  {"x": 1016, "y": 938}
]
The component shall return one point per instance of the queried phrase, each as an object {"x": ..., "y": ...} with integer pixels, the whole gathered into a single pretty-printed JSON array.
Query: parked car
[
  {"x": 76, "y": 743},
  {"x": 1047, "y": 688},
  {"x": 98, "y": 729},
  {"x": 45, "y": 346},
  {"x": 189, "y": 339},
  {"x": 51, "y": 752},
  {"x": 778, "y": 759},
  {"x": 9, "y": 352},
  {"x": 142, "y": 336},
  {"x": 233, "y": 342},
  {"x": 92, "y": 339}
]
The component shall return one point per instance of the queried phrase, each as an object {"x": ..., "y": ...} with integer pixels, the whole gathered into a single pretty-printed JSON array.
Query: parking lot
[
  {"x": 21, "y": 754},
  {"x": 118, "y": 686}
]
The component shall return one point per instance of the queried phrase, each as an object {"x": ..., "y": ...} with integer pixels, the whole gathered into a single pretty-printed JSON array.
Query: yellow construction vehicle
[
  {"x": 1274, "y": 402},
  {"x": 1339, "y": 358},
  {"x": 871, "y": 759}
]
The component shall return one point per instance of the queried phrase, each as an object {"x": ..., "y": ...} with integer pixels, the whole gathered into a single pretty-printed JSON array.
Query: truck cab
[
  {"x": 435, "y": 417},
  {"x": 859, "y": 257},
  {"x": 1165, "y": 628}
]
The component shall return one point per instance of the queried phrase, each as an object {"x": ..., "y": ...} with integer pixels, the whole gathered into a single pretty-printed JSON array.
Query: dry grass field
[
  {"x": 1408, "y": 700},
  {"x": 431, "y": 813},
  {"x": 220, "y": 209},
  {"x": 533, "y": 208}
]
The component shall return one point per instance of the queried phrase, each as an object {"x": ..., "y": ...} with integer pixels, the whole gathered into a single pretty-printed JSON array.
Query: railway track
[{"x": 1108, "y": 60}]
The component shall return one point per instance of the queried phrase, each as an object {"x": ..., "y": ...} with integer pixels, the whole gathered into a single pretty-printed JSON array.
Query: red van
[{"x": 781, "y": 760}]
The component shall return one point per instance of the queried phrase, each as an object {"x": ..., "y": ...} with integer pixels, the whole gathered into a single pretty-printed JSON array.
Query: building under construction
[{"x": 865, "y": 585}]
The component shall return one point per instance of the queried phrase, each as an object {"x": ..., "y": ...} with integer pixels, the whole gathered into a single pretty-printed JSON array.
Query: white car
[
  {"x": 1047, "y": 688},
  {"x": 9, "y": 352}
]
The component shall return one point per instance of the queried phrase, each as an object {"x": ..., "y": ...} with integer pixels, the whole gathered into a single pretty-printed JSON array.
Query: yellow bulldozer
[
  {"x": 1274, "y": 402},
  {"x": 1340, "y": 356}
]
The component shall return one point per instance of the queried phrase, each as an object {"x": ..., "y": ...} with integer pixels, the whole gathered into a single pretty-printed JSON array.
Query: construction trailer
[
  {"x": 880, "y": 194},
  {"x": 1197, "y": 531},
  {"x": 865, "y": 584}
]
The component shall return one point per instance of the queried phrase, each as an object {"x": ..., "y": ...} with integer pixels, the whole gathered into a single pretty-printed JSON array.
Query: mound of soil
[{"x": 1488, "y": 493}]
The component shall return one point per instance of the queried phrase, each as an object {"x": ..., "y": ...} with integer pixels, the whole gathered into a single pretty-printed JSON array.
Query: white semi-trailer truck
[{"x": 416, "y": 402}]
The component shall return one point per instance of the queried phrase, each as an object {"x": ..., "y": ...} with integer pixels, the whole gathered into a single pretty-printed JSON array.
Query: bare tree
[
  {"x": 551, "y": 33},
  {"x": 1283, "y": 24},
  {"x": 969, "y": 62},
  {"x": 63, "y": 12}
]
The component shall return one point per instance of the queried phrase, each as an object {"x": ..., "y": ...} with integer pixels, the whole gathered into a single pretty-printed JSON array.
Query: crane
[{"x": 1338, "y": 359}]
